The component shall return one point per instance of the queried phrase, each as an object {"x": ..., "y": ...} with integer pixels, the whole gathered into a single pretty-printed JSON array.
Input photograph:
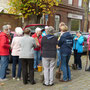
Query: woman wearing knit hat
[{"x": 15, "y": 45}]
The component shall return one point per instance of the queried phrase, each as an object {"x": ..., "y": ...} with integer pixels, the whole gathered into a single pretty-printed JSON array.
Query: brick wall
[{"x": 13, "y": 20}]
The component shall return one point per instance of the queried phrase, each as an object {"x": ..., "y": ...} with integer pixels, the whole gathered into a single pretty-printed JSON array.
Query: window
[
  {"x": 80, "y": 3},
  {"x": 74, "y": 24},
  {"x": 89, "y": 5},
  {"x": 70, "y": 2},
  {"x": 57, "y": 21}
]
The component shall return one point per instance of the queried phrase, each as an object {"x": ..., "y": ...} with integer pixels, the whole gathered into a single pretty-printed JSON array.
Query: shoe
[
  {"x": 69, "y": 80},
  {"x": 35, "y": 69},
  {"x": 33, "y": 82},
  {"x": 7, "y": 73},
  {"x": 14, "y": 78},
  {"x": 45, "y": 84},
  {"x": 51, "y": 84},
  {"x": 8, "y": 69},
  {"x": 18, "y": 79},
  {"x": 25, "y": 83},
  {"x": 63, "y": 81},
  {"x": 87, "y": 70},
  {"x": 5, "y": 79},
  {"x": 1, "y": 84},
  {"x": 79, "y": 68}
]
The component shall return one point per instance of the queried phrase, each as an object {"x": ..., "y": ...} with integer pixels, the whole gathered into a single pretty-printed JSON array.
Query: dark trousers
[
  {"x": 77, "y": 59},
  {"x": 15, "y": 61},
  {"x": 27, "y": 70}
]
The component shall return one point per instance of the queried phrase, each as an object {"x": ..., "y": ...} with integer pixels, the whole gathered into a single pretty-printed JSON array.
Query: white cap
[
  {"x": 18, "y": 30},
  {"x": 37, "y": 29},
  {"x": 46, "y": 27}
]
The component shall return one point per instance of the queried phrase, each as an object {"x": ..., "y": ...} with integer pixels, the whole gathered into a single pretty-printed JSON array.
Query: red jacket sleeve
[{"x": 5, "y": 42}]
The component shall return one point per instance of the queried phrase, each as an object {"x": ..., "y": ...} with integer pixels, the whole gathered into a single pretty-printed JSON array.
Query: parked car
[
  {"x": 85, "y": 35},
  {"x": 34, "y": 26}
]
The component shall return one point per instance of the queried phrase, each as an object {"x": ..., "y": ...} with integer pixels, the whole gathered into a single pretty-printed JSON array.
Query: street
[{"x": 80, "y": 81}]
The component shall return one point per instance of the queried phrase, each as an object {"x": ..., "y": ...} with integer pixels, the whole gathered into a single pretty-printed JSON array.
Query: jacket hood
[
  {"x": 49, "y": 36},
  {"x": 67, "y": 35}
]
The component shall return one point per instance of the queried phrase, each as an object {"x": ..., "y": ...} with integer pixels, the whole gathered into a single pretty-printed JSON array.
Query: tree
[
  {"x": 32, "y": 7},
  {"x": 86, "y": 9}
]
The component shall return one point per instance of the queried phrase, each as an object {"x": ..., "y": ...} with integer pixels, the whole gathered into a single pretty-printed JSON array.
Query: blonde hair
[
  {"x": 64, "y": 28},
  {"x": 61, "y": 24}
]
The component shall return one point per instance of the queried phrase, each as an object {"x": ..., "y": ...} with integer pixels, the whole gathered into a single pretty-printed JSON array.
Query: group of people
[{"x": 27, "y": 50}]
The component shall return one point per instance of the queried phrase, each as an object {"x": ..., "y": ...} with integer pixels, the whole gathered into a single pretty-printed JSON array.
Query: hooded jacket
[
  {"x": 65, "y": 43},
  {"x": 78, "y": 44},
  {"x": 4, "y": 44},
  {"x": 48, "y": 45}
]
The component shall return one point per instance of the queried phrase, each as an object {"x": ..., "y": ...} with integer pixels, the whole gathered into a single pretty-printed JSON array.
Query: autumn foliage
[{"x": 32, "y": 7}]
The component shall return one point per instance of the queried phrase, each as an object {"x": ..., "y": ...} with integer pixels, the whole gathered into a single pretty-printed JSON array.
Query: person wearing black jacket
[
  {"x": 48, "y": 45},
  {"x": 65, "y": 43}
]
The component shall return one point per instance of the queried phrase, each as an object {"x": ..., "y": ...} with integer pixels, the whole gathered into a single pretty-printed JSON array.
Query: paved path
[{"x": 80, "y": 81}]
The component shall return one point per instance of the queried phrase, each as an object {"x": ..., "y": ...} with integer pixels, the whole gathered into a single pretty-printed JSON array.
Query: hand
[
  {"x": 38, "y": 45},
  {"x": 76, "y": 39}
]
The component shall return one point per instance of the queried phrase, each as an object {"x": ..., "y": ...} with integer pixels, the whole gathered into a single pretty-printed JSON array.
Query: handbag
[{"x": 74, "y": 66}]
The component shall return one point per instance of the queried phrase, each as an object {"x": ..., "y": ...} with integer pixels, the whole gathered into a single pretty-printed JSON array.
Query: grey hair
[
  {"x": 37, "y": 29},
  {"x": 50, "y": 30},
  {"x": 18, "y": 31},
  {"x": 5, "y": 27}
]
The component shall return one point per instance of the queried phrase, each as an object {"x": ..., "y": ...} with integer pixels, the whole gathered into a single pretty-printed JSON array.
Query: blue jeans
[
  {"x": 15, "y": 60},
  {"x": 65, "y": 67},
  {"x": 3, "y": 66},
  {"x": 36, "y": 58},
  {"x": 58, "y": 57}
]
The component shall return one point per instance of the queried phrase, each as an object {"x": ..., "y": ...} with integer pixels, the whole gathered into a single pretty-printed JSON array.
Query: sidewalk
[{"x": 80, "y": 81}]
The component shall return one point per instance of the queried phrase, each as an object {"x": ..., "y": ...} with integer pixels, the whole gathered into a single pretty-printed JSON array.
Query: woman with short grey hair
[
  {"x": 4, "y": 52},
  {"x": 48, "y": 45}
]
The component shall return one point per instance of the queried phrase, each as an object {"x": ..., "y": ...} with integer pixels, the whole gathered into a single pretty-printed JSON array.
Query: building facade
[{"x": 71, "y": 12}]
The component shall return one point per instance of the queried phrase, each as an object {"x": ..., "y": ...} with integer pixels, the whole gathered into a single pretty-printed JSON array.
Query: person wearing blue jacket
[
  {"x": 65, "y": 43},
  {"x": 78, "y": 49}
]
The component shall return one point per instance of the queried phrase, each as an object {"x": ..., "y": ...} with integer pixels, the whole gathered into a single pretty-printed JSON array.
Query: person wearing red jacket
[
  {"x": 4, "y": 53},
  {"x": 37, "y": 51}
]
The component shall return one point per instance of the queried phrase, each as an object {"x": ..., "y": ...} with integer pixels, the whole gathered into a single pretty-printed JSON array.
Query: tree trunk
[
  {"x": 33, "y": 19},
  {"x": 86, "y": 8}
]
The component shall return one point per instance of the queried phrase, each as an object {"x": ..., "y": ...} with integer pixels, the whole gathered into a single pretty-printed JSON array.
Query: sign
[
  {"x": 46, "y": 17},
  {"x": 75, "y": 16}
]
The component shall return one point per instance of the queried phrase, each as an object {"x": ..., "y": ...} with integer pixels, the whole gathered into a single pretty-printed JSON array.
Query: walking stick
[{"x": 87, "y": 56}]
